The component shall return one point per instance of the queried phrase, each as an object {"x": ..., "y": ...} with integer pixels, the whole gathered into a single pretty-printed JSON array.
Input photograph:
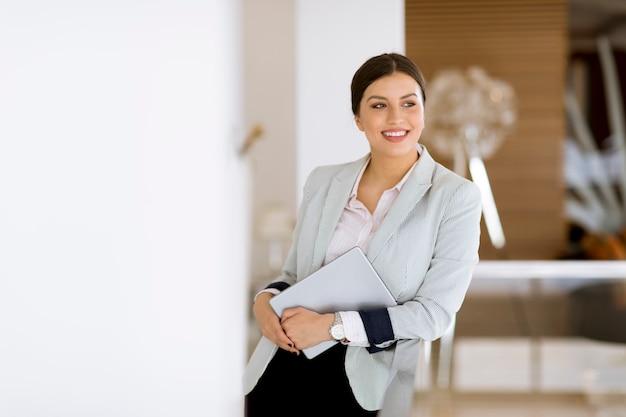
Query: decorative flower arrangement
[{"x": 468, "y": 106}]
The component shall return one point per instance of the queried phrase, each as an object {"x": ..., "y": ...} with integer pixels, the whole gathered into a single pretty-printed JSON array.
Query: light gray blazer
[{"x": 425, "y": 251}]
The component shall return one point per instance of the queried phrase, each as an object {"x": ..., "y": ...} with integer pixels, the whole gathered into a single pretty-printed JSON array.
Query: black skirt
[{"x": 293, "y": 385}]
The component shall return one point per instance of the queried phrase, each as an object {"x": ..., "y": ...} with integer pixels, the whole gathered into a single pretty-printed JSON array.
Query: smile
[{"x": 396, "y": 133}]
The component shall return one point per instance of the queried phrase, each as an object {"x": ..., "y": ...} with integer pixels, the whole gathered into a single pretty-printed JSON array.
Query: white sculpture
[{"x": 468, "y": 116}]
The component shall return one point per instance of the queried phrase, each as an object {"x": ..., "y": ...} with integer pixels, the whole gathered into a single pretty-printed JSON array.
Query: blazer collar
[
  {"x": 339, "y": 191},
  {"x": 418, "y": 183}
]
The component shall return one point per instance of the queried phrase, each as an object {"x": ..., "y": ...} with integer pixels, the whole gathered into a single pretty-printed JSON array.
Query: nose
[{"x": 394, "y": 115}]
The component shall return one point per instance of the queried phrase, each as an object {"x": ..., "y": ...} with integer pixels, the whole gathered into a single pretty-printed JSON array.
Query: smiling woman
[{"x": 418, "y": 223}]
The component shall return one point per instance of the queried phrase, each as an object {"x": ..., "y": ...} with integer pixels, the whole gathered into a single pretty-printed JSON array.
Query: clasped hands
[{"x": 299, "y": 328}]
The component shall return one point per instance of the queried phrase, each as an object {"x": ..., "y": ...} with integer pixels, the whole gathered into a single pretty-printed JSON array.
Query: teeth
[{"x": 395, "y": 133}]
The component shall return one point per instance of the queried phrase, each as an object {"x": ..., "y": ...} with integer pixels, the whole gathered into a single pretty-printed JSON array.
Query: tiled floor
[{"x": 445, "y": 404}]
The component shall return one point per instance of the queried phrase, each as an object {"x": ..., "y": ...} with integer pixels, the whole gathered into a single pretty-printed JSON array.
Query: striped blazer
[{"x": 425, "y": 250}]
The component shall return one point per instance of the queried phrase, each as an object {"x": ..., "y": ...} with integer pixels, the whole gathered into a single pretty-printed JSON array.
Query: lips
[{"x": 395, "y": 135}]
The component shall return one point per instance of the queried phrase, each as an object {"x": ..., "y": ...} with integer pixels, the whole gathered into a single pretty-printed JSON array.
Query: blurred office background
[
  {"x": 522, "y": 346},
  {"x": 152, "y": 156}
]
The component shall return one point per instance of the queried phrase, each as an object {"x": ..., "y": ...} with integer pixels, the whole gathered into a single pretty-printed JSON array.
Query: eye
[
  {"x": 409, "y": 104},
  {"x": 378, "y": 106}
]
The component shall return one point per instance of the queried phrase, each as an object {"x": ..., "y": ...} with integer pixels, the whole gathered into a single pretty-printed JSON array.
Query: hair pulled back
[{"x": 380, "y": 66}]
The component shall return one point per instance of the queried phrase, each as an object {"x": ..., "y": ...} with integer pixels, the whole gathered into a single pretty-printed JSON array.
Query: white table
[{"x": 550, "y": 269}]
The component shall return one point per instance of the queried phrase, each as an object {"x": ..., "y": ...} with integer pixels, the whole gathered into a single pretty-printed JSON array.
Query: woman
[{"x": 418, "y": 223}]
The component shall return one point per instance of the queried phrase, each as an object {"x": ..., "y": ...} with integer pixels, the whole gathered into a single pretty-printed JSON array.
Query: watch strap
[{"x": 337, "y": 319}]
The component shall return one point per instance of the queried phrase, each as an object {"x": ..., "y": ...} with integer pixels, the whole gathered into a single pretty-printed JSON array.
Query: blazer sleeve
[{"x": 431, "y": 311}]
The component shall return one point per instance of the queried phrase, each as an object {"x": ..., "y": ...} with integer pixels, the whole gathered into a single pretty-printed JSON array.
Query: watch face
[{"x": 337, "y": 332}]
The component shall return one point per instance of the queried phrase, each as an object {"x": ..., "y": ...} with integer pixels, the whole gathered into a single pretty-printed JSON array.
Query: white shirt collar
[{"x": 400, "y": 183}]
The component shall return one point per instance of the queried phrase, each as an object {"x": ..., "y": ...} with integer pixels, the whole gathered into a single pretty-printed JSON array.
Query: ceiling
[{"x": 589, "y": 18}]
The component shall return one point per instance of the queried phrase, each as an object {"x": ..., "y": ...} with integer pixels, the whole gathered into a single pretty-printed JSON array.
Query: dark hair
[{"x": 381, "y": 66}]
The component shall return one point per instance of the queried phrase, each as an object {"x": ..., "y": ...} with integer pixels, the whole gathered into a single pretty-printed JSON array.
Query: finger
[
  {"x": 288, "y": 342},
  {"x": 289, "y": 346},
  {"x": 290, "y": 312},
  {"x": 280, "y": 338}
]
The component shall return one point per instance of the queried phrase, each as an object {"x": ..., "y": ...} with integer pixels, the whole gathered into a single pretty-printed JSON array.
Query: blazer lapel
[
  {"x": 412, "y": 192},
  {"x": 336, "y": 199}
]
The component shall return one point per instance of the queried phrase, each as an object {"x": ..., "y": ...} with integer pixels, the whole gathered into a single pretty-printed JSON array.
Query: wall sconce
[{"x": 275, "y": 225}]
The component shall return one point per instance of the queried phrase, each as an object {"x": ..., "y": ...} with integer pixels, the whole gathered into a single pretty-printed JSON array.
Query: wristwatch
[{"x": 336, "y": 330}]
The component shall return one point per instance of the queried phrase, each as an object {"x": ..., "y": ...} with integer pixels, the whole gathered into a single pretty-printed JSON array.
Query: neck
[{"x": 389, "y": 171}]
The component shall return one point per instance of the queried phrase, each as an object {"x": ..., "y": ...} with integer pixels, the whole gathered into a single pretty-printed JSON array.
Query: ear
[{"x": 357, "y": 120}]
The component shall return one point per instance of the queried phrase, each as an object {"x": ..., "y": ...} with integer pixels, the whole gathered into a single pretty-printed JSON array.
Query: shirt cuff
[
  {"x": 270, "y": 290},
  {"x": 354, "y": 329}
]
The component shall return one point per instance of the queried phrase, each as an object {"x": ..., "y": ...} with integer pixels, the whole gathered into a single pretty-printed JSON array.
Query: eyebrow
[{"x": 385, "y": 98}]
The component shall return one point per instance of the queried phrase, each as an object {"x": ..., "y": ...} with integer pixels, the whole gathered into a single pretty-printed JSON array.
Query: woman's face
[{"x": 391, "y": 114}]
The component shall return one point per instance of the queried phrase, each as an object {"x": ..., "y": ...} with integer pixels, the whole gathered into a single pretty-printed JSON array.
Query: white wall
[
  {"x": 333, "y": 39},
  {"x": 299, "y": 61},
  {"x": 122, "y": 209}
]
